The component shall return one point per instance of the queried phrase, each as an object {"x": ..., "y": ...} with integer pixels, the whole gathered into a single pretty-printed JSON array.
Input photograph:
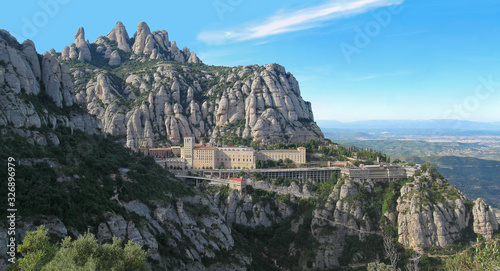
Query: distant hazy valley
[{"x": 466, "y": 153}]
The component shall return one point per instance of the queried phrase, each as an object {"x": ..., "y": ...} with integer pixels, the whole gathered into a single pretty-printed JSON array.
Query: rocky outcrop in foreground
[
  {"x": 428, "y": 213},
  {"x": 432, "y": 212},
  {"x": 192, "y": 236},
  {"x": 428, "y": 219},
  {"x": 339, "y": 218},
  {"x": 485, "y": 222}
]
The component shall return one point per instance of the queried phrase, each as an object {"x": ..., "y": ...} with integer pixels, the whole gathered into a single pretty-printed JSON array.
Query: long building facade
[
  {"x": 376, "y": 173},
  {"x": 234, "y": 157},
  {"x": 301, "y": 175},
  {"x": 298, "y": 156},
  {"x": 209, "y": 157}
]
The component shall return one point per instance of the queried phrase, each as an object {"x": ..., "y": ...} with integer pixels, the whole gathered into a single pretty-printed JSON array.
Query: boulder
[
  {"x": 485, "y": 222},
  {"x": 115, "y": 59}
]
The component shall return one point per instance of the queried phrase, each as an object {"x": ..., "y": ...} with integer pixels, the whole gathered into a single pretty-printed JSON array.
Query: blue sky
[{"x": 355, "y": 60}]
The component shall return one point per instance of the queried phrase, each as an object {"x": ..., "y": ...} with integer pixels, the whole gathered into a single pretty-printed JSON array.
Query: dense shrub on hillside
[
  {"x": 83, "y": 253},
  {"x": 76, "y": 180},
  {"x": 485, "y": 256}
]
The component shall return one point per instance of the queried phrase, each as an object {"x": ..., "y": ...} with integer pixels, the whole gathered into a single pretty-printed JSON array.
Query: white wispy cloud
[{"x": 292, "y": 20}]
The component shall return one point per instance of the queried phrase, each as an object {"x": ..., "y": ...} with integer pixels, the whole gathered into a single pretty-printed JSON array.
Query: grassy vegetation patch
[{"x": 76, "y": 180}]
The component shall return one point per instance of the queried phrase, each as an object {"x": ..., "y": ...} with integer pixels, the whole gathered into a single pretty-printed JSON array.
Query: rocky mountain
[
  {"x": 57, "y": 111},
  {"x": 177, "y": 236},
  {"x": 435, "y": 214},
  {"x": 242, "y": 210},
  {"x": 57, "y": 148},
  {"x": 25, "y": 77},
  {"x": 347, "y": 226},
  {"x": 146, "y": 89}
]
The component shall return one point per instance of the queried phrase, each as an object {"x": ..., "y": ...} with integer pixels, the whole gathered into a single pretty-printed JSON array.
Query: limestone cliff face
[
  {"x": 154, "y": 100},
  {"x": 429, "y": 218},
  {"x": 244, "y": 210},
  {"x": 136, "y": 93},
  {"x": 26, "y": 76},
  {"x": 429, "y": 212},
  {"x": 144, "y": 45},
  {"x": 263, "y": 103},
  {"x": 485, "y": 222},
  {"x": 120, "y": 35},
  {"x": 332, "y": 222},
  {"x": 134, "y": 90},
  {"x": 434, "y": 213},
  {"x": 341, "y": 216},
  {"x": 293, "y": 189},
  {"x": 193, "y": 236}
]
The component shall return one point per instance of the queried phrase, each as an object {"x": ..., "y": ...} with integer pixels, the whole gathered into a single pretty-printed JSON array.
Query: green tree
[
  {"x": 36, "y": 251},
  {"x": 279, "y": 163},
  {"x": 254, "y": 145},
  {"x": 84, "y": 253},
  {"x": 425, "y": 166},
  {"x": 485, "y": 256},
  {"x": 374, "y": 266}
]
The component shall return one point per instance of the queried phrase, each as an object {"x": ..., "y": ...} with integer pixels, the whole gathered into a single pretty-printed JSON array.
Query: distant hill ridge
[{"x": 412, "y": 124}]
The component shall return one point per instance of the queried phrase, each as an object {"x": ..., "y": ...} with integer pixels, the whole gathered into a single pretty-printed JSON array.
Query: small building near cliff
[{"x": 238, "y": 184}]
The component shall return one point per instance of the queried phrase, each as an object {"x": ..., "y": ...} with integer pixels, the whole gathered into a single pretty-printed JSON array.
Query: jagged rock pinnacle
[
  {"x": 80, "y": 35},
  {"x": 143, "y": 39},
  {"x": 82, "y": 46},
  {"x": 193, "y": 58},
  {"x": 120, "y": 35}
]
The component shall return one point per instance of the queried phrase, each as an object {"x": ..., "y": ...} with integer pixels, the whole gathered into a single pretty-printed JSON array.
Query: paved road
[{"x": 211, "y": 180}]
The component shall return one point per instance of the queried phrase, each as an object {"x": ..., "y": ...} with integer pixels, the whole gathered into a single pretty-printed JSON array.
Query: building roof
[
  {"x": 236, "y": 148},
  {"x": 237, "y": 179},
  {"x": 301, "y": 148},
  {"x": 204, "y": 148},
  {"x": 279, "y": 150},
  {"x": 372, "y": 166}
]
